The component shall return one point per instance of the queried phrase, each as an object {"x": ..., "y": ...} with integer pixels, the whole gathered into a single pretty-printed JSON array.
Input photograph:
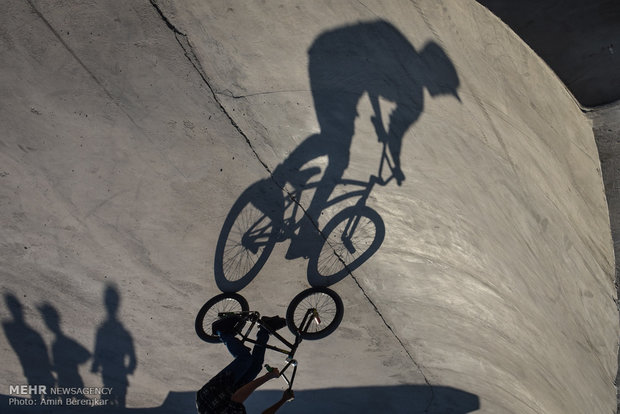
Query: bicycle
[
  {"x": 312, "y": 314},
  {"x": 262, "y": 216}
]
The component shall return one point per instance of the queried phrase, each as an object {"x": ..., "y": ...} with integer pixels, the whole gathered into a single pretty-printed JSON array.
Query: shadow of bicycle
[
  {"x": 264, "y": 215},
  {"x": 371, "y": 59}
]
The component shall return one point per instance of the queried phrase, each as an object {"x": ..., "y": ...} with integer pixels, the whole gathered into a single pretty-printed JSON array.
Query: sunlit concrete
[{"x": 131, "y": 130}]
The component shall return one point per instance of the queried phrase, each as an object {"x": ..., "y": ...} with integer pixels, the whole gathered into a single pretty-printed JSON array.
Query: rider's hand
[
  {"x": 399, "y": 176},
  {"x": 274, "y": 373},
  {"x": 288, "y": 395}
]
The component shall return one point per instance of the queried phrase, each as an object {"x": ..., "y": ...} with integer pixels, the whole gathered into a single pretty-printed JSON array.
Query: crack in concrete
[
  {"x": 92, "y": 75},
  {"x": 79, "y": 61},
  {"x": 385, "y": 322},
  {"x": 229, "y": 94},
  {"x": 165, "y": 19},
  {"x": 188, "y": 50},
  {"x": 369, "y": 9},
  {"x": 183, "y": 41}
]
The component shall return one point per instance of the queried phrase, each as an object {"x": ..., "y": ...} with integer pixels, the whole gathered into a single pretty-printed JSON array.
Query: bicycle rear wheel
[
  {"x": 326, "y": 310},
  {"x": 209, "y": 313},
  {"x": 248, "y": 236}
]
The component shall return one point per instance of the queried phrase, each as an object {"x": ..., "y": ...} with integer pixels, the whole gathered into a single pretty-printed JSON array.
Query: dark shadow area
[
  {"x": 28, "y": 344},
  {"x": 67, "y": 354},
  {"x": 406, "y": 399},
  {"x": 372, "y": 58},
  {"x": 175, "y": 403},
  {"x": 579, "y": 40},
  {"x": 114, "y": 354},
  {"x": 606, "y": 128},
  {"x": 410, "y": 399}
]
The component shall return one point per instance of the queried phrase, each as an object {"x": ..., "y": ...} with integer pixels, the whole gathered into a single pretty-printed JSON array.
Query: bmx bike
[
  {"x": 263, "y": 216},
  {"x": 312, "y": 314}
]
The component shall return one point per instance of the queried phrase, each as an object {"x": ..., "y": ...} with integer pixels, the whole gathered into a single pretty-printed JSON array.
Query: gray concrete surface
[{"x": 131, "y": 129}]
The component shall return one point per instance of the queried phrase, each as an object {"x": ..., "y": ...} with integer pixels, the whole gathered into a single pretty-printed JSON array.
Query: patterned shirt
[{"x": 214, "y": 396}]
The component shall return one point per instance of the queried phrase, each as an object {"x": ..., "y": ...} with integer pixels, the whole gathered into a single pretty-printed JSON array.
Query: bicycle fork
[
  {"x": 311, "y": 315},
  {"x": 288, "y": 381},
  {"x": 353, "y": 222}
]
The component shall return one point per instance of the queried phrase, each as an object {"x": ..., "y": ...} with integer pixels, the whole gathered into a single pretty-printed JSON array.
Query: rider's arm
[
  {"x": 244, "y": 392},
  {"x": 400, "y": 120},
  {"x": 288, "y": 394},
  {"x": 403, "y": 116}
]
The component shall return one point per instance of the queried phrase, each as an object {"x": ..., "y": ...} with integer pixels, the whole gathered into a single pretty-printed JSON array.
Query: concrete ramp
[{"x": 142, "y": 138}]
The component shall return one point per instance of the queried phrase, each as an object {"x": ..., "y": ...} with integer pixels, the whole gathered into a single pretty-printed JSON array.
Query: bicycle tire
[
  {"x": 329, "y": 306},
  {"x": 334, "y": 261},
  {"x": 235, "y": 263},
  {"x": 208, "y": 313}
]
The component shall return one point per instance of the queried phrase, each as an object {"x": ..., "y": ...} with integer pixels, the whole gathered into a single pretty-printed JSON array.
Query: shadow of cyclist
[{"x": 344, "y": 63}]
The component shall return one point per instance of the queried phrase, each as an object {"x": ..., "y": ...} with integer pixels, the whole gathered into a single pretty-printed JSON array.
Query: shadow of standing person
[
  {"x": 67, "y": 353},
  {"x": 114, "y": 351},
  {"x": 28, "y": 345}
]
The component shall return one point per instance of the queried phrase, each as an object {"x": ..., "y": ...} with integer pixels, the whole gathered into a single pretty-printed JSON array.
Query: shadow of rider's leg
[
  {"x": 312, "y": 147},
  {"x": 337, "y": 164},
  {"x": 338, "y": 160}
]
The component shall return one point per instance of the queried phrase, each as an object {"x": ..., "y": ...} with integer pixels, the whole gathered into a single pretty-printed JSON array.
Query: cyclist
[
  {"x": 226, "y": 392},
  {"x": 374, "y": 58}
]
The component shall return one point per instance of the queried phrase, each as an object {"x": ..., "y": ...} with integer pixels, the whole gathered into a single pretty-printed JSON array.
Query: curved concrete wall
[{"x": 133, "y": 129}]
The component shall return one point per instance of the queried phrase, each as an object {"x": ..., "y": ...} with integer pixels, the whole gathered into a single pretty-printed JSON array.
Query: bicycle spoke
[
  {"x": 211, "y": 310},
  {"x": 247, "y": 240},
  {"x": 225, "y": 306},
  {"x": 336, "y": 252},
  {"x": 322, "y": 310},
  {"x": 323, "y": 304}
]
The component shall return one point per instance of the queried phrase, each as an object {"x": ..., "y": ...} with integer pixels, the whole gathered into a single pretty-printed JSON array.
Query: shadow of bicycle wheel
[
  {"x": 350, "y": 238},
  {"x": 248, "y": 235}
]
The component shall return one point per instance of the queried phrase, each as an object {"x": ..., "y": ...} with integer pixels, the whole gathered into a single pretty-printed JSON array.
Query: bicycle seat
[{"x": 228, "y": 324}]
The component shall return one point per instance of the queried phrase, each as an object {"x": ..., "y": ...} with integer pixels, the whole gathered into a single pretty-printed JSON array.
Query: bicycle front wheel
[
  {"x": 351, "y": 237},
  {"x": 315, "y": 313},
  {"x": 209, "y": 313}
]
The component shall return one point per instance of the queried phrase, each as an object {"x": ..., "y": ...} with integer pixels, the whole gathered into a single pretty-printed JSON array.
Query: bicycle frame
[
  {"x": 254, "y": 319},
  {"x": 352, "y": 224},
  {"x": 257, "y": 235},
  {"x": 363, "y": 193}
]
